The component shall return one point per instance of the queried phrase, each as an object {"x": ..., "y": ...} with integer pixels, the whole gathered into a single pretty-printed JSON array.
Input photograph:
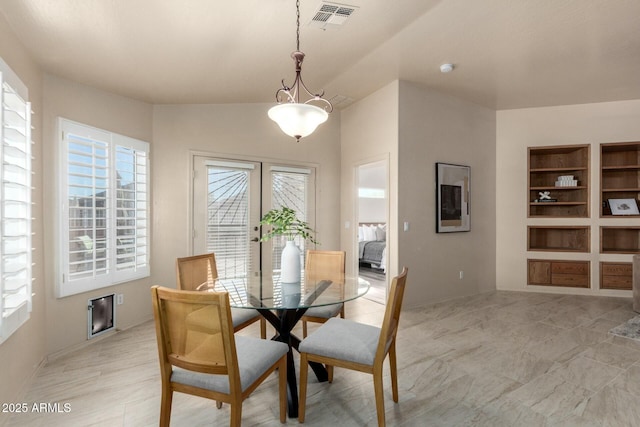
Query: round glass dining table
[
  {"x": 284, "y": 304},
  {"x": 267, "y": 292}
]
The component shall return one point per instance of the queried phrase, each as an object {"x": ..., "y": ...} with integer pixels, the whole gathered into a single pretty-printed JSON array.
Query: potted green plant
[{"x": 284, "y": 222}]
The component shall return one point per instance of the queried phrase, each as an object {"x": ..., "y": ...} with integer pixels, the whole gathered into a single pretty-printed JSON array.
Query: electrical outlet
[
  {"x": 120, "y": 299},
  {"x": 461, "y": 274}
]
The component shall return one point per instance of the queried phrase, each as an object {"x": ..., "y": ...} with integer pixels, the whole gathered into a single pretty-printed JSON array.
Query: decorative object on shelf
[
  {"x": 298, "y": 119},
  {"x": 545, "y": 197},
  {"x": 623, "y": 206},
  {"x": 452, "y": 198},
  {"x": 284, "y": 222},
  {"x": 566, "y": 181}
]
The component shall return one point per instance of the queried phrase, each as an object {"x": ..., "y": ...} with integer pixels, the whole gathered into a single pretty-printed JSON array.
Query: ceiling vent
[
  {"x": 331, "y": 15},
  {"x": 341, "y": 101}
]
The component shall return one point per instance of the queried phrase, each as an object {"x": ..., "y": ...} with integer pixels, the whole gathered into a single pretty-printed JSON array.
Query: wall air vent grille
[
  {"x": 329, "y": 8},
  {"x": 331, "y": 15},
  {"x": 345, "y": 11},
  {"x": 322, "y": 17}
]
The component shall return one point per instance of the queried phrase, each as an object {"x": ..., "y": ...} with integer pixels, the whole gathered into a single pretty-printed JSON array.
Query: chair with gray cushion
[
  {"x": 323, "y": 265},
  {"x": 208, "y": 360},
  {"x": 199, "y": 273},
  {"x": 351, "y": 345}
]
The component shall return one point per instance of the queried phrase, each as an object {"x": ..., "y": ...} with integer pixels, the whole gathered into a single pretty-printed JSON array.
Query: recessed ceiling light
[{"x": 446, "y": 68}]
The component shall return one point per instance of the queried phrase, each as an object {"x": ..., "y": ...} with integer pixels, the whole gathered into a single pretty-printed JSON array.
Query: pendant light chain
[
  {"x": 298, "y": 25},
  {"x": 295, "y": 118}
]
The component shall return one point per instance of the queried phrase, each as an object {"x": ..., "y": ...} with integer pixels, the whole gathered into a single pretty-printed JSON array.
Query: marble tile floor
[
  {"x": 377, "y": 291},
  {"x": 495, "y": 359}
]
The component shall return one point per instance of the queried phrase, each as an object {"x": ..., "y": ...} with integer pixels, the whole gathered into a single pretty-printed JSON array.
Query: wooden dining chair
[
  {"x": 211, "y": 362},
  {"x": 199, "y": 273},
  {"x": 351, "y": 345},
  {"x": 323, "y": 265}
]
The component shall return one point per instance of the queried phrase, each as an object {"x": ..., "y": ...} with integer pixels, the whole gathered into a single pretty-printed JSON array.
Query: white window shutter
[
  {"x": 104, "y": 197},
  {"x": 15, "y": 201}
]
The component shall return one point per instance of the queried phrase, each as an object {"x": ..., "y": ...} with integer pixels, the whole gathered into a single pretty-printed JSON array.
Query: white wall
[
  {"x": 67, "y": 317},
  {"x": 563, "y": 125},
  {"x": 434, "y": 127},
  {"x": 232, "y": 131},
  {"x": 415, "y": 128},
  {"x": 369, "y": 133},
  {"x": 23, "y": 352}
]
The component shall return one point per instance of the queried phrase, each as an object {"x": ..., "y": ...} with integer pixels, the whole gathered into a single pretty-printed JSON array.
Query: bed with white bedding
[{"x": 372, "y": 244}]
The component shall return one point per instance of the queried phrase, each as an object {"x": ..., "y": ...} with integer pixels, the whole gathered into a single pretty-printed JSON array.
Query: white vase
[
  {"x": 290, "y": 263},
  {"x": 290, "y": 294}
]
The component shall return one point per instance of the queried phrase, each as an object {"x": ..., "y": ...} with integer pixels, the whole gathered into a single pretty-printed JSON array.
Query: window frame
[{"x": 113, "y": 141}]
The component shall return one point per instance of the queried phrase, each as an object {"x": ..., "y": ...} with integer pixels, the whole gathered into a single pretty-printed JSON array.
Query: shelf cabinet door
[
  {"x": 539, "y": 272},
  {"x": 616, "y": 275},
  {"x": 573, "y": 274}
]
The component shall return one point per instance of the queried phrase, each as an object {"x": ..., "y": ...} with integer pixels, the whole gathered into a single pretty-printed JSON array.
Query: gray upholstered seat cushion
[
  {"x": 325, "y": 311},
  {"x": 343, "y": 339},
  {"x": 255, "y": 356},
  {"x": 241, "y": 315}
]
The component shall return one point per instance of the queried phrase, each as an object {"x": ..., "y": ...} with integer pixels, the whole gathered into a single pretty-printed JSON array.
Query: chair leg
[
  {"x": 330, "y": 373},
  {"x": 302, "y": 400},
  {"x": 236, "y": 414},
  {"x": 394, "y": 371},
  {"x": 304, "y": 329},
  {"x": 165, "y": 406},
  {"x": 377, "y": 386},
  {"x": 263, "y": 329},
  {"x": 282, "y": 373},
  {"x": 218, "y": 404}
]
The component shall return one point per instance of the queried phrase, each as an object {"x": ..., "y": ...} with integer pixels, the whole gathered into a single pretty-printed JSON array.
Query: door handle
[{"x": 255, "y": 239}]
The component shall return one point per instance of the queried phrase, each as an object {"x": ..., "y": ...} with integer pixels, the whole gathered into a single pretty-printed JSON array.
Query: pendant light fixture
[{"x": 295, "y": 118}]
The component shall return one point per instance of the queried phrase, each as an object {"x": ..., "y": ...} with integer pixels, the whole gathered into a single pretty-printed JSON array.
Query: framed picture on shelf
[
  {"x": 623, "y": 206},
  {"x": 452, "y": 198}
]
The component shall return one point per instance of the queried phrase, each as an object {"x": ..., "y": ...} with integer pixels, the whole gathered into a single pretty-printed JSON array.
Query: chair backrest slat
[
  {"x": 194, "y": 271},
  {"x": 392, "y": 313},
  {"x": 194, "y": 331},
  {"x": 325, "y": 265}
]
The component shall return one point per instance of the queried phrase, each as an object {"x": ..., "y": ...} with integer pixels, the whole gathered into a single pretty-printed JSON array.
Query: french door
[{"x": 230, "y": 197}]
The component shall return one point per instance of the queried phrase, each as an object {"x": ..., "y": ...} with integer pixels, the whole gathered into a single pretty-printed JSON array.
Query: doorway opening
[{"x": 372, "y": 218}]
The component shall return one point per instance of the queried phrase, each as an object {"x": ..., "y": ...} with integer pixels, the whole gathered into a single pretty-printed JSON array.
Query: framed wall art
[
  {"x": 452, "y": 198},
  {"x": 623, "y": 207}
]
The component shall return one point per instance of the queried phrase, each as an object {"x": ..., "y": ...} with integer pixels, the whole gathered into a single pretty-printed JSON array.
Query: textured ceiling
[{"x": 507, "y": 53}]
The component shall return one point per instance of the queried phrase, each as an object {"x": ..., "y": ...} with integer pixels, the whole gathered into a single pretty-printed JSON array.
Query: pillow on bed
[
  {"x": 369, "y": 232},
  {"x": 381, "y": 234}
]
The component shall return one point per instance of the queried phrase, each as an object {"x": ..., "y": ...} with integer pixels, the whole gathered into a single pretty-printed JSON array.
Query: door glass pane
[
  {"x": 289, "y": 189},
  {"x": 227, "y": 233}
]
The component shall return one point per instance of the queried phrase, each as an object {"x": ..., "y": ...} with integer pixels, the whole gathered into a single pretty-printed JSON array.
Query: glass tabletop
[{"x": 266, "y": 291}]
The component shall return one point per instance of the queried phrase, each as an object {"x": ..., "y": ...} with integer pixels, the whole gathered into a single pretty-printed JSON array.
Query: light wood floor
[{"x": 498, "y": 359}]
